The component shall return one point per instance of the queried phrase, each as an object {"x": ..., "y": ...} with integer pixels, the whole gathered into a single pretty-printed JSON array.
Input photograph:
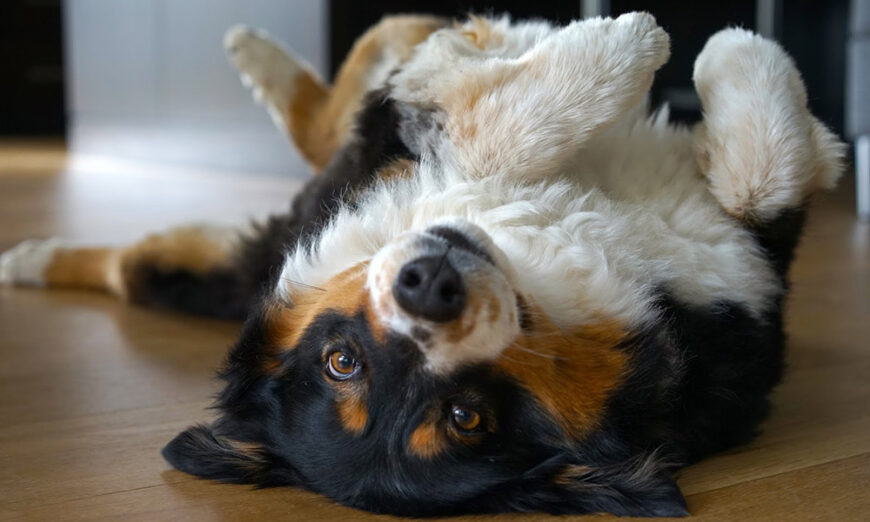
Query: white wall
[{"x": 148, "y": 80}]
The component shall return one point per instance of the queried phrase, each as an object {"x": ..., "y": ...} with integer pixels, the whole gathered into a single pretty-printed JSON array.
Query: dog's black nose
[{"x": 429, "y": 287}]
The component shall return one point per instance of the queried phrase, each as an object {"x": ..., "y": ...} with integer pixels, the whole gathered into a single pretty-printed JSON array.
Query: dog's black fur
[{"x": 698, "y": 384}]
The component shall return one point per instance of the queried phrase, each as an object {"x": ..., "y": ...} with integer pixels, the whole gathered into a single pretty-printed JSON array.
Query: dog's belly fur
[{"x": 603, "y": 240}]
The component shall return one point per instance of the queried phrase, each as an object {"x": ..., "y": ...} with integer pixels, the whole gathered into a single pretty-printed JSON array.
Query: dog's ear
[
  {"x": 640, "y": 487},
  {"x": 200, "y": 451}
]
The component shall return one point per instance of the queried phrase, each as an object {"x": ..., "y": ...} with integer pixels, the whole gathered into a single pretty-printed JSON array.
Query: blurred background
[{"x": 146, "y": 80}]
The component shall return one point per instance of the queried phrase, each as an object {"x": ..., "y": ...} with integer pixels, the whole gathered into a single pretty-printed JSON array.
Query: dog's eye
[
  {"x": 341, "y": 365},
  {"x": 464, "y": 419}
]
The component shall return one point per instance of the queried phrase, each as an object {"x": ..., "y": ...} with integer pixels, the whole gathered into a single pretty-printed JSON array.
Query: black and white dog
[{"x": 510, "y": 287}]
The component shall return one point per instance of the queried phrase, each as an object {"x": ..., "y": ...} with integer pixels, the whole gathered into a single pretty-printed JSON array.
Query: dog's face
[{"x": 421, "y": 382}]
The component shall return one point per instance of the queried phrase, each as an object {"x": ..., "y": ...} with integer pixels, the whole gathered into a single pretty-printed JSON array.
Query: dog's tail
[{"x": 316, "y": 116}]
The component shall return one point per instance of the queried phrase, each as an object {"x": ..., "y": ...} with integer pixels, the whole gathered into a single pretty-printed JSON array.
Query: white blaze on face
[{"x": 489, "y": 321}]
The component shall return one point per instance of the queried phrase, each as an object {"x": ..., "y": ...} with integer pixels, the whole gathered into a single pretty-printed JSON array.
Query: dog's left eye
[
  {"x": 341, "y": 365},
  {"x": 465, "y": 419}
]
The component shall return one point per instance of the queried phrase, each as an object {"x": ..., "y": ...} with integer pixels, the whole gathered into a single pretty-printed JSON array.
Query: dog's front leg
[{"x": 525, "y": 117}]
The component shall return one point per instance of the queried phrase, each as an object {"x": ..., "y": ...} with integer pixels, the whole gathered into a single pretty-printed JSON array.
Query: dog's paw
[
  {"x": 632, "y": 43},
  {"x": 26, "y": 263},
  {"x": 640, "y": 35},
  {"x": 264, "y": 66},
  {"x": 618, "y": 55},
  {"x": 737, "y": 60}
]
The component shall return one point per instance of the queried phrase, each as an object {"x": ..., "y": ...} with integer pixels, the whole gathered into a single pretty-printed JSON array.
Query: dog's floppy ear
[
  {"x": 640, "y": 487},
  {"x": 200, "y": 451}
]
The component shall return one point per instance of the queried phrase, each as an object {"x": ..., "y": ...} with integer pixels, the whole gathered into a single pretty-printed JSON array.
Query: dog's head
[{"x": 421, "y": 381}]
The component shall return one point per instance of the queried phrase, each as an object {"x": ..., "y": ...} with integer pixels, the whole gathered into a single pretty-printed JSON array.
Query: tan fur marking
[
  {"x": 459, "y": 329},
  {"x": 315, "y": 140},
  {"x": 572, "y": 373},
  {"x": 190, "y": 248},
  {"x": 352, "y": 412},
  {"x": 572, "y": 473},
  {"x": 379, "y": 331},
  {"x": 344, "y": 293},
  {"x": 247, "y": 455},
  {"x": 196, "y": 249},
  {"x": 427, "y": 441},
  {"x": 481, "y": 32},
  {"x": 399, "y": 169},
  {"x": 251, "y": 450},
  {"x": 494, "y": 310},
  {"x": 466, "y": 111},
  {"x": 81, "y": 268}
]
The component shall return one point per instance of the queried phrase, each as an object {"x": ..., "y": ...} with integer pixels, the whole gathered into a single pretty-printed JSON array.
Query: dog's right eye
[{"x": 341, "y": 365}]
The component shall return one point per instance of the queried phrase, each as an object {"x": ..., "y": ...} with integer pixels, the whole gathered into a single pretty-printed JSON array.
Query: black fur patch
[
  {"x": 779, "y": 237},
  {"x": 731, "y": 362},
  {"x": 215, "y": 293}
]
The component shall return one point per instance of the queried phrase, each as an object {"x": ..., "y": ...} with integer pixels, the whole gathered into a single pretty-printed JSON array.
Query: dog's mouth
[{"x": 448, "y": 288}]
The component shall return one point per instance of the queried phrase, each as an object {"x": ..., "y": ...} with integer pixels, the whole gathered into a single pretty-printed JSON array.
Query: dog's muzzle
[{"x": 443, "y": 288}]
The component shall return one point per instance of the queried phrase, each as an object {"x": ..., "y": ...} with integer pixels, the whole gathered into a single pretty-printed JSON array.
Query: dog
[{"x": 509, "y": 286}]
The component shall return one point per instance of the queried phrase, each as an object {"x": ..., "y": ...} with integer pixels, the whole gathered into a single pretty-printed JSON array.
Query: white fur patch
[{"x": 26, "y": 263}]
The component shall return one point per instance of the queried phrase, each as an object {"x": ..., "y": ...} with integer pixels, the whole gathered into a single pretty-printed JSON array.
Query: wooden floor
[{"x": 90, "y": 389}]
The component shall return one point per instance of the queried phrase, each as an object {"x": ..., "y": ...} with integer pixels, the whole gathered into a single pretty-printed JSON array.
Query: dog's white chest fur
[{"x": 598, "y": 241}]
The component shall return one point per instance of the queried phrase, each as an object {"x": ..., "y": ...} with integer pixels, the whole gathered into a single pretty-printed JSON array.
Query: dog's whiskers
[
  {"x": 303, "y": 285},
  {"x": 533, "y": 352}
]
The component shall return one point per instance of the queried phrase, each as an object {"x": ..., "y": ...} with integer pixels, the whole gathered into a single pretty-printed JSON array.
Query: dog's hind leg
[
  {"x": 286, "y": 85},
  {"x": 188, "y": 269},
  {"x": 316, "y": 116},
  {"x": 759, "y": 146}
]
